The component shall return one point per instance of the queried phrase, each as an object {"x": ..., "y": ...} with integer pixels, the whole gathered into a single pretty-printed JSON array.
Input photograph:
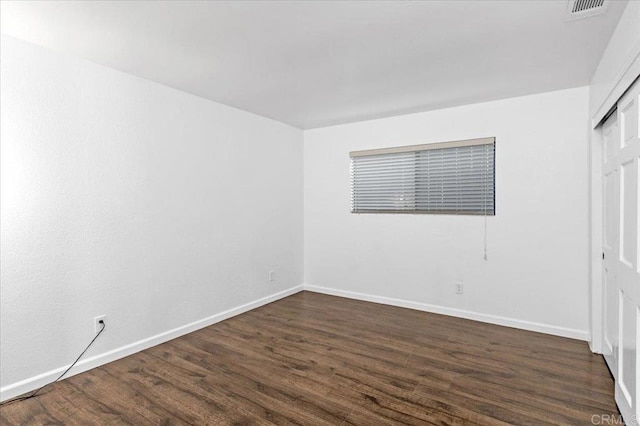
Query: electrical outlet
[
  {"x": 459, "y": 288},
  {"x": 271, "y": 276},
  {"x": 96, "y": 322}
]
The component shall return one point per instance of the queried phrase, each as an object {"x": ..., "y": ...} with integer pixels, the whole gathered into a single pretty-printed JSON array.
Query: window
[{"x": 445, "y": 178}]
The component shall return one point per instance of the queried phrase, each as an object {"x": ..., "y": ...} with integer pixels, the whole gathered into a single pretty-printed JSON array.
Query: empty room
[{"x": 320, "y": 212}]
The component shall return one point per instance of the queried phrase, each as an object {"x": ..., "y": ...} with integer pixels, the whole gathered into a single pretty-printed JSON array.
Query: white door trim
[
  {"x": 627, "y": 75},
  {"x": 596, "y": 234},
  {"x": 596, "y": 319}
]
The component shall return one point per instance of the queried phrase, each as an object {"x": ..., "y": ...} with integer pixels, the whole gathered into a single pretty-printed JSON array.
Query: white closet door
[{"x": 622, "y": 260}]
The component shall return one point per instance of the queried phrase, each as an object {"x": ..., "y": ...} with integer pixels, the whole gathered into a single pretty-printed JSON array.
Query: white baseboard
[
  {"x": 476, "y": 316},
  {"x": 35, "y": 382}
]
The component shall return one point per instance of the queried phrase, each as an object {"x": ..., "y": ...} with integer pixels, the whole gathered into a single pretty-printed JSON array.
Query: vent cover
[
  {"x": 583, "y": 5},
  {"x": 578, "y": 9}
]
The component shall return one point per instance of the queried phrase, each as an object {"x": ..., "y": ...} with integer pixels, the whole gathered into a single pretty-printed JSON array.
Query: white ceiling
[{"x": 312, "y": 64}]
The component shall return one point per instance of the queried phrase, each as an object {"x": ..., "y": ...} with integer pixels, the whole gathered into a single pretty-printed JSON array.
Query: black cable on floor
[{"x": 22, "y": 398}]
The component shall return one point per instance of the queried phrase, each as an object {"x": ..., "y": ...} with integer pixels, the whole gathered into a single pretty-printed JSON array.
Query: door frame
[
  {"x": 618, "y": 69},
  {"x": 596, "y": 231},
  {"x": 596, "y": 210}
]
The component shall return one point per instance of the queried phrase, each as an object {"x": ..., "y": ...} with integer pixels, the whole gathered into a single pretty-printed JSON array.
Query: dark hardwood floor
[{"x": 313, "y": 359}]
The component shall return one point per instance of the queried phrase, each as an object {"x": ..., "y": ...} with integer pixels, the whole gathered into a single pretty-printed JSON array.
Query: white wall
[
  {"x": 536, "y": 276},
  {"x": 127, "y": 198},
  {"x": 620, "y": 64}
]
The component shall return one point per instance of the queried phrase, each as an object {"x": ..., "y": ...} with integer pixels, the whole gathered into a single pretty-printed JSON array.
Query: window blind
[{"x": 447, "y": 178}]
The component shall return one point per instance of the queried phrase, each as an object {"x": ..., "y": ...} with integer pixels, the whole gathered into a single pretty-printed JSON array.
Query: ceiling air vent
[{"x": 578, "y": 9}]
